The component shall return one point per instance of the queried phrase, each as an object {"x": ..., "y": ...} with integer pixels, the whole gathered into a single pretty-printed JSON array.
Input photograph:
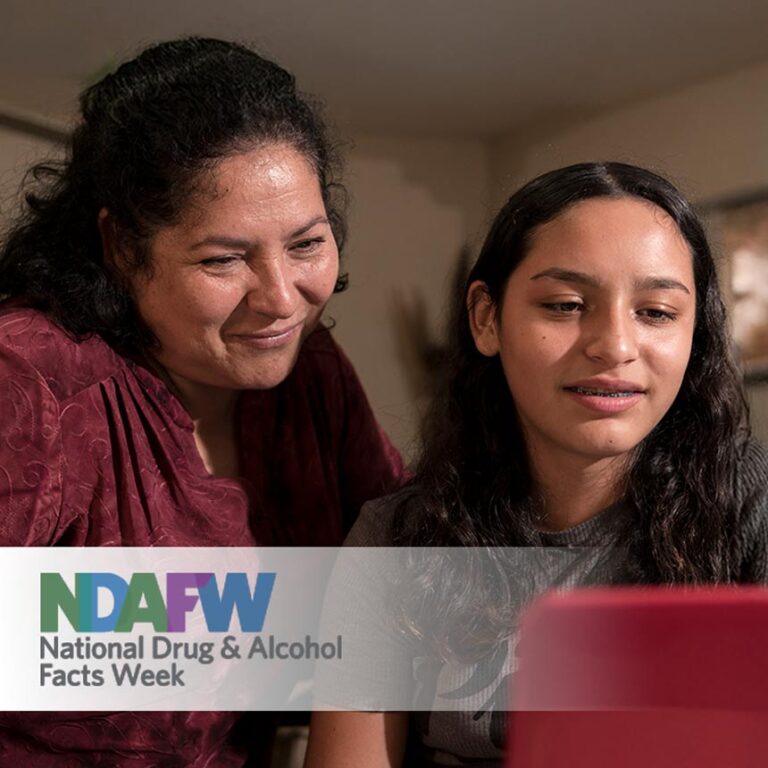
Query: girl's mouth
[{"x": 603, "y": 392}]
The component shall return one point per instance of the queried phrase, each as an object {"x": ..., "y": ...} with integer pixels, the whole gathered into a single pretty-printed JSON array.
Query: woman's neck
[
  {"x": 573, "y": 489},
  {"x": 206, "y": 405},
  {"x": 213, "y": 413},
  {"x": 212, "y": 410}
]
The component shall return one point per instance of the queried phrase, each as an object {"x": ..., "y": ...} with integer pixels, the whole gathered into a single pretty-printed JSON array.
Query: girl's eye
[
  {"x": 657, "y": 315},
  {"x": 564, "y": 307}
]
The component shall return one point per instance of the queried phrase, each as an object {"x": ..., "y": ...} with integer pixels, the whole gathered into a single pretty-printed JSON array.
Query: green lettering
[
  {"x": 55, "y": 595},
  {"x": 143, "y": 586}
]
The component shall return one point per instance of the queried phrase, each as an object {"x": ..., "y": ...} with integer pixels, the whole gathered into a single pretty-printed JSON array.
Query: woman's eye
[
  {"x": 307, "y": 246},
  {"x": 219, "y": 261},
  {"x": 564, "y": 307}
]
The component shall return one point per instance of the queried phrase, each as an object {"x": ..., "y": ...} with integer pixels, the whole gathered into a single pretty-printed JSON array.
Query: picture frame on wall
[{"x": 740, "y": 230}]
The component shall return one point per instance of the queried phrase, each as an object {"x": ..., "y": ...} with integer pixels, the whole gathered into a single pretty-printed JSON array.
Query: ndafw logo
[{"x": 106, "y": 602}]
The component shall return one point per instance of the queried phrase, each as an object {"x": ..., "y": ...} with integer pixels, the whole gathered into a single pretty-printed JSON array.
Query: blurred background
[{"x": 444, "y": 108}]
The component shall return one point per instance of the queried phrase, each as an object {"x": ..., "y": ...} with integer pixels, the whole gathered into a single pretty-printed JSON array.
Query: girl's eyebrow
[
  {"x": 661, "y": 283},
  {"x": 568, "y": 276},
  {"x": 582, "y": 278}
]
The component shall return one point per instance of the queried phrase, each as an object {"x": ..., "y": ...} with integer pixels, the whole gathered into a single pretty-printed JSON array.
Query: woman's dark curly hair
[
  {"x": 147, "y": 134},
  {"x": 473, "y": 485}
]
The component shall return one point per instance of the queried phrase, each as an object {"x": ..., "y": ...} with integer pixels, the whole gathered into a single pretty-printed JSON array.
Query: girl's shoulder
[
  {"x": 375, "y": 525},
  {"x": 752, "y": 474},
  {"x": 751, "y": 536}
]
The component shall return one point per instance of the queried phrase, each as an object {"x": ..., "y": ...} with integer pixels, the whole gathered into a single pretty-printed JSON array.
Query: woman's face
[
  {"x": 238, "y": 283},
  {"x": 595, "y": 328}
]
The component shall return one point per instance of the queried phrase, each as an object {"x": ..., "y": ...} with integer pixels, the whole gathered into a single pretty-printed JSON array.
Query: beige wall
[
  {"x": 712, "y": 139},
  {"x": 415, "y": 203},
  {"x": 17, "y": 152}
]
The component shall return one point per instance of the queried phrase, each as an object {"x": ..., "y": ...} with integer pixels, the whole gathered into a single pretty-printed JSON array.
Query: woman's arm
[{"x": 357, "y": 740}]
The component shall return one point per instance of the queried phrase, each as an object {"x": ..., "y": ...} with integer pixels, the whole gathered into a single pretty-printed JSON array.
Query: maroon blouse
[{"x": 96, "y": 451}]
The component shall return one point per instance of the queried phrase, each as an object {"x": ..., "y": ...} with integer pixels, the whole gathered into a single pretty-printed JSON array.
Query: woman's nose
[
  {"x": 271, "y": 290},
  {"x": 611, "y": 338}
]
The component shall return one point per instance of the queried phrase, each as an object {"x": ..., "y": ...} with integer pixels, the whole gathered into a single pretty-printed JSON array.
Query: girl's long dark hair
[{"x": 472, "y": 485}]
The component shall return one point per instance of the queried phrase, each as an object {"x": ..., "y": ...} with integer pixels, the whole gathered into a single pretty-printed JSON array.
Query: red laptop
[{"x": 642, "y": 677}]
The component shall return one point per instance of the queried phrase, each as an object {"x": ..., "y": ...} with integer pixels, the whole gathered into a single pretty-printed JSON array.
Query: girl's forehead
[
  {"x": 609, "y": 216},
  {"x": 608, "y": 236}
]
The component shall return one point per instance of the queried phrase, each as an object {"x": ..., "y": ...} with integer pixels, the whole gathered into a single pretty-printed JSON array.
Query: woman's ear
[
  {"x": 106, "y": 226},
  {"x": 115, "y": 258},
  {"x": 482, "y": 319}
]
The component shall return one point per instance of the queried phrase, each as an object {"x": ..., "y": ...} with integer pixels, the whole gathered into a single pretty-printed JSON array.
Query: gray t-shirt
[{"x": 463, "y": 703}]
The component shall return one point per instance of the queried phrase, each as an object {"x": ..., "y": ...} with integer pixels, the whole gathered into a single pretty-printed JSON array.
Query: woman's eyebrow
[
  {"x": 224, "y": 241},
  {"x": 568, "y": 276},
  {"x": 313, "y": 222},
  {"x": 243, "y": 245}
]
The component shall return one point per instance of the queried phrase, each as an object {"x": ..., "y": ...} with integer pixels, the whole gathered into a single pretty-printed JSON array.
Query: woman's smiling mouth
[{"x": 268, "y": 339}]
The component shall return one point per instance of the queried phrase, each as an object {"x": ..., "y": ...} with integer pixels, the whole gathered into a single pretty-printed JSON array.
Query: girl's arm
[{"x": 357, "y": 740}]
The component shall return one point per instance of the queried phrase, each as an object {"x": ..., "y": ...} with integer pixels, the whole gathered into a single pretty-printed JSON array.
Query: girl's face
[{"x": 594, "y": 329}]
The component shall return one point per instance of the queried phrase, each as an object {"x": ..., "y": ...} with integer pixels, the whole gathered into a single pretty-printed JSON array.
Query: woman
[
  {"x": 593, "y": 402},
  {"x": 164, "y": 374}
]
